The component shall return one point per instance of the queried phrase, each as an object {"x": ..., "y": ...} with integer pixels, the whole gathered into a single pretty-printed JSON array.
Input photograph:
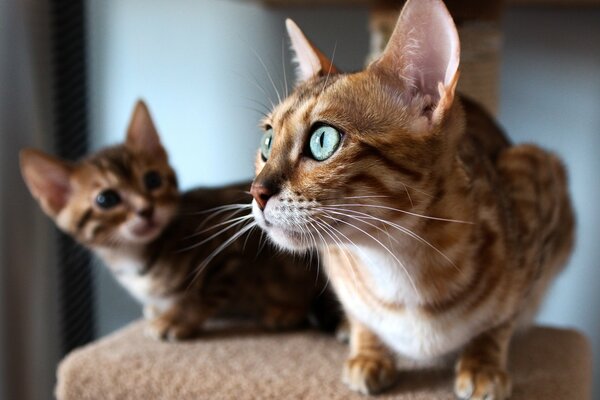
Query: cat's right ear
[
  {"x": 310, "y": 61},
  {"x": 424, "y": 53},
  {"x": 142, "y": 135},
  {"x": 48, "y": 179}
]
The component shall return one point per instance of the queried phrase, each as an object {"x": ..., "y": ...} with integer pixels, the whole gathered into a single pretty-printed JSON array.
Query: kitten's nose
[
  {"x": 146, "y": 212},
  {"x": 261, "y": 194}
]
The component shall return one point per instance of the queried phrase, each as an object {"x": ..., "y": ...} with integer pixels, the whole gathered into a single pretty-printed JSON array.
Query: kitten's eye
[
  {"x": 108, "y": 199},
  {"x": 324, "y": 141},
  {"x": 265, "y": 144},
  {"x": 152, "y": 180}
]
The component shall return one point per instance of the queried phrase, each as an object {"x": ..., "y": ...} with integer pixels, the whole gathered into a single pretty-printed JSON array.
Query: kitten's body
[
  {"x": 180, "y": 260},
  {"x": 438, "y": 234}
]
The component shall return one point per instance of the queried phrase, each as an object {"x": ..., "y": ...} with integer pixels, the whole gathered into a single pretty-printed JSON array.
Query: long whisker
[
  {"x": 224, "y": 245},
  {"x": 334, "y": 236},
  {"x": 208, "y": 239},
  {"x": 268, "y": 73},
  {"x": 360, "y": 215},
  {"x": 382, "y": 245},
  {"x": 404, "y": 212}
]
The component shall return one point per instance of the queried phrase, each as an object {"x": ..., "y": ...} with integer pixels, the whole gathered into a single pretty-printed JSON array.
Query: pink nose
[{"x": 261, "y": 194}]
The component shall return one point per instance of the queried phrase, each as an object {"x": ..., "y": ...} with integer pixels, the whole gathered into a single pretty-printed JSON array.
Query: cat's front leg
[
  {"x": 481, "y": 369},
  {"x": 371, "y": 367},
  {"x": 182, "y": 320}
]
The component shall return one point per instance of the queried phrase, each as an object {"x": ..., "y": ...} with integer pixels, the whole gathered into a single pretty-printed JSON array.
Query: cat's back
[{"x": 530, "y": 188}]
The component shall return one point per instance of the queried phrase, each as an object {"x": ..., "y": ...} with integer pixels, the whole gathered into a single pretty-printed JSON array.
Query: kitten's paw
[
  {"x": 168, "y": 330},
  {"x": 482, "y": 383},
  {"x": 368, "y": 374}
]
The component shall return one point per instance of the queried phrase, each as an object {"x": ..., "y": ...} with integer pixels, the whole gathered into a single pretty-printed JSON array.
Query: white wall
[{"x": 193, "y": 62}]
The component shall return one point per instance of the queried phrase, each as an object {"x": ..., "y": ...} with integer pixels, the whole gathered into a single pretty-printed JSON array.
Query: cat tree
[{"x": 238, "y": 363}]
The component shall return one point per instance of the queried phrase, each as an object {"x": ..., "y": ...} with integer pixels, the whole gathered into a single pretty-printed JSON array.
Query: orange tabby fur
[{"x": 438, "y": 234}]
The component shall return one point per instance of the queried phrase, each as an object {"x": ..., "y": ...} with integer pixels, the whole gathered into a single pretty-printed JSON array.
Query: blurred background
[{"x": 70, "y": 73}]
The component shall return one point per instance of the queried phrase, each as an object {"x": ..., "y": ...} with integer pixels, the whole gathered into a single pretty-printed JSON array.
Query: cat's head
[
  {"x": 121, "y": 195},
  {"x": 345, "y": 149}
]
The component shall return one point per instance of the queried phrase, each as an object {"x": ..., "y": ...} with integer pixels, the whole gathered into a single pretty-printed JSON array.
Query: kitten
[
  {"x": 123, "y": 203},
  {"x": 439, "y": 235}
]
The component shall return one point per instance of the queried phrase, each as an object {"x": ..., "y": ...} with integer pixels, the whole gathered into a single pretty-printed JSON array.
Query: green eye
[
  {"x": 266, "y": 143},
  {"x": 324, "y": 141}
]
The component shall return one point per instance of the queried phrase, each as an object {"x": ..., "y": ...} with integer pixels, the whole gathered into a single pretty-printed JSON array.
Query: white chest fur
[
  {"x": 388, "y": 304},
  {"x": 127, "y": 267}
]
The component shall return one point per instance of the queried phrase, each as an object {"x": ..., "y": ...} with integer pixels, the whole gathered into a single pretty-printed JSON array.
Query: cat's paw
[
  {"x": 368, "y": 374},
  {"x": 166, "y": 329},
  {"x": 482, "y": 383}
]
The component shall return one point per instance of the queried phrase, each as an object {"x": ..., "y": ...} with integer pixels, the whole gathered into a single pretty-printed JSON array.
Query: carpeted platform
[{"x": 548, "y": 364}]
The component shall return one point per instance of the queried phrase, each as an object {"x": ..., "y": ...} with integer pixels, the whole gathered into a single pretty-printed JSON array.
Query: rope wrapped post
[{"x": 480, "y": 36}]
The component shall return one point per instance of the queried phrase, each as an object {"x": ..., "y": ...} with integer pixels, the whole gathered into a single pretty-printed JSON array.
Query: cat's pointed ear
[
  {"x": 424, "y": 52},
  {"x": 142, "y": 135},
  {"x": 310, "y": 61},
  {"x": 48, "y": 179}
]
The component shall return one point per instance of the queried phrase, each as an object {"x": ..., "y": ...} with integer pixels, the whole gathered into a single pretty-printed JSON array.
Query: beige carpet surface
[{"x": 546, "y": 363}]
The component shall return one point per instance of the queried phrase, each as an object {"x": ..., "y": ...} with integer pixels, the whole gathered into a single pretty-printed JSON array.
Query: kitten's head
[
  {"x": 344, "y": 149},
  {"x": 121, "y": 195}
]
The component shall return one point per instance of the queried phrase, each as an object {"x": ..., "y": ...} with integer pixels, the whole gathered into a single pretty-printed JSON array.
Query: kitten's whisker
[{"x": 404, "y": 212}]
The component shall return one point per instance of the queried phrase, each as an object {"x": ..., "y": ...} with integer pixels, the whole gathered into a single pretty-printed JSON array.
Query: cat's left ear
[
  {"x": 424, "y": 53},
  {"x": 311, "y": 62},
  {"x": 142, "y": 135}
]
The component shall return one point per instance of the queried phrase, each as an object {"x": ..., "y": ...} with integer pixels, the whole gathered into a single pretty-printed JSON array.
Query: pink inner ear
[
  {"x": 424, "y": 49},
  {"x": 48, "y": 180}
]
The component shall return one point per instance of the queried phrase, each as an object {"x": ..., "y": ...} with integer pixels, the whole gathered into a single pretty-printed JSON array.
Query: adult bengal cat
[{"x": 438, "y": 234}]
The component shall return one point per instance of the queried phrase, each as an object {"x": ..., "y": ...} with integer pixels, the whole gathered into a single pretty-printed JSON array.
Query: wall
[{"x": 196, "y": 64}]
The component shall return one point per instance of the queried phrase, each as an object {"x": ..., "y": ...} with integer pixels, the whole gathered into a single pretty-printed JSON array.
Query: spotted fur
[
  {"x": 166, "y": 248},
  {"x": 438, "y": 234}
]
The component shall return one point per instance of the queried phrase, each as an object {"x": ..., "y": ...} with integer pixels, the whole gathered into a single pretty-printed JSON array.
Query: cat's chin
[
  {"x": 283, "y": 238},
  {"x": 287, "y": 240}
]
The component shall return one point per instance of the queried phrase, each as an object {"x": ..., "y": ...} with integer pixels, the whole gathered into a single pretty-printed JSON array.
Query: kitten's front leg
[
  {"x": 183, "y": 320},
  {"x": 371, "y": 367},
  {"x": 481, "y": 369}
]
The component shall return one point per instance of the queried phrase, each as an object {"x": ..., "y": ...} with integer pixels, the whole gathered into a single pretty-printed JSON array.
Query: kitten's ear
[
  {"x": 142, "y": 135},
  {"x": 47, "y": 178},
  {"x": 311, "y": 62},
  {"x": 424, "y": 52}
]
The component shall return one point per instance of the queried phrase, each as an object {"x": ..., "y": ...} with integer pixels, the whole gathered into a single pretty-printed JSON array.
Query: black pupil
[
  {"x": 322, "y": 139},
  {"x": 108, "y": 199},
  {"x": 268, "y": 142},
  {"x": 152, "y": 180}
]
